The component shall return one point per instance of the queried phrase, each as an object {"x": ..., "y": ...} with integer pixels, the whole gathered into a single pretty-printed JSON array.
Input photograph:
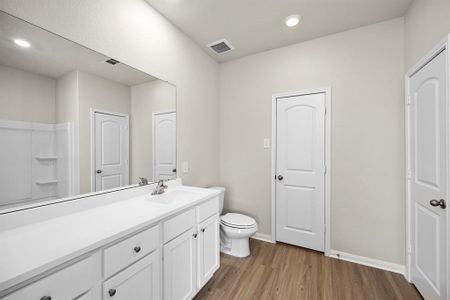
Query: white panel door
[
  {"x": 180, "y": 267},
  {"x": 165, "y": 146},
  {"x": 111, "y": 151},
  {"x": 428, "y": 181},
  {"x": 300, "y": 171}
]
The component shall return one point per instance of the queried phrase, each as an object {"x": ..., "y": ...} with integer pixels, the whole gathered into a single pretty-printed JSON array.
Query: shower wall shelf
[
  {"x": 46, "y": 157},
  {"x": 44, "y": 182}
]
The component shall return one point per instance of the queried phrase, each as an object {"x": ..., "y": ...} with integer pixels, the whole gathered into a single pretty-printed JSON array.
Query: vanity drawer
[
  {"x": 68, "y": 283},
  {"x": 207, "y": 209},
  {"x": 126, "y": 252},
  {"x": 179, "y": 224}
]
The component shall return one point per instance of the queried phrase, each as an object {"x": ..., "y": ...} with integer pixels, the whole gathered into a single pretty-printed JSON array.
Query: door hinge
[{"x": 325, "y": 169}]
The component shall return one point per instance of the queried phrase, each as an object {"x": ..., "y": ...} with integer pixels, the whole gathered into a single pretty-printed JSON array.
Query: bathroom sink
[{"x": 172, "y": 197}]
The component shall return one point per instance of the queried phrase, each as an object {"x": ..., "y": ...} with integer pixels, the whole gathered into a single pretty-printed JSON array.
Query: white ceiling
[
  {"x": 53, "y": 56},
  {"x": 253, "y": 26}
]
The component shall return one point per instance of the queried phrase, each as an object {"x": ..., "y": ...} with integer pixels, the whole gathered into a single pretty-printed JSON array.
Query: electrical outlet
[{"x": 185, "y": 167}]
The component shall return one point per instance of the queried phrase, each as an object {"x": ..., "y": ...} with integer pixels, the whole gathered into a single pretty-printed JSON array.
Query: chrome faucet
[{"x": 160, "y": 188}]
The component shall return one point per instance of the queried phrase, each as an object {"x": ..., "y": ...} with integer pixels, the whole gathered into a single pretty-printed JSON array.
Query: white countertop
[{"x": 35, "y": 248}]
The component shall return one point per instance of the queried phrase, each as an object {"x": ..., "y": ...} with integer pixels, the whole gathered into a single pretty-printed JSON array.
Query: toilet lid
[{"x": 237, "y": 220}]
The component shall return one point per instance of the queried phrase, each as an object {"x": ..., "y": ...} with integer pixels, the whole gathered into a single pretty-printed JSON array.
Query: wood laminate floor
[{"x": 283, "y": 271}]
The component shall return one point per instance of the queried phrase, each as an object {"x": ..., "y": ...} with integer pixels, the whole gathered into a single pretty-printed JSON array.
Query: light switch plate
[
  {"x": 266, "y": 143},
  {"x": 185, "y": 167}
]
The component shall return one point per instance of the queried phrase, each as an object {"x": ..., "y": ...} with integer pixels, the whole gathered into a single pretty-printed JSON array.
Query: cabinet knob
[
  {"x": 112, "y": 292},
  {"x": 46, "y": 298},
  {"x": 194, "y": 235},
  {"x": 203, "y": 229},
  {"x": 137, "y": 249}
]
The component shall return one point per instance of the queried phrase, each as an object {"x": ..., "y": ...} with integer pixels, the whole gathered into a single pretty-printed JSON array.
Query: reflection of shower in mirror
[{"x": 41, "y": 156}]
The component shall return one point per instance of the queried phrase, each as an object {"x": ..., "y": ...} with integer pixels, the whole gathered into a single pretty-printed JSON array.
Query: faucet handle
[
  {"x": 143, "y": 181},
  {"x": 161, "y": 184}
]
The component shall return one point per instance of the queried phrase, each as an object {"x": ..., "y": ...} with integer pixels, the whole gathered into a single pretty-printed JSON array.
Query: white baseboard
[
  {"x": 366, "y": 261},
  {"x": 263, "y": 237}
]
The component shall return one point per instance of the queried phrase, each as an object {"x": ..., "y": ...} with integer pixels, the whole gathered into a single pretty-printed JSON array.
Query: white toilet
[{"x": 235, "y": 230}]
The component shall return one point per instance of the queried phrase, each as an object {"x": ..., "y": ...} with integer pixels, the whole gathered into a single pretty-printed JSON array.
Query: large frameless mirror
[{"x": 73, "y": 121}]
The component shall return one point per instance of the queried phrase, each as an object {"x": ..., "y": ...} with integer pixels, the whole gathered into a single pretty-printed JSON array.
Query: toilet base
[{"x": 235, "y": 247}]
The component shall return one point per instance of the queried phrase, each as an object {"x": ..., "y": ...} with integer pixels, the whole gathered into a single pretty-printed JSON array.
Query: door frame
[
  {"x": 163, "y": 112},
  {"x": 443, "y": 45},
  {"x": 327, "y": 186},
  {"x": 92, "y": 141}
]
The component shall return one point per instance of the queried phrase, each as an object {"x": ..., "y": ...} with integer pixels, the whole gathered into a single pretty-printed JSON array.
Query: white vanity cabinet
[
  {"x": 180, "y": 268},
  {"x": 171, "y": 258},
  {"x": 192, "y": 257},
  {"x": 208, "y": 249},
  {"x": 139, "y": 281}
]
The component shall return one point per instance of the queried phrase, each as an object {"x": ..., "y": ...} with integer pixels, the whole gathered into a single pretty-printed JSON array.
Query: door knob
[
  {"x": 440, "y": 203},
  {"x": 99, "y": 171},
  {"x": 112, "y": 292},
  {"x": 280, "y": 177},
  {"x": 174, "y": 170}
]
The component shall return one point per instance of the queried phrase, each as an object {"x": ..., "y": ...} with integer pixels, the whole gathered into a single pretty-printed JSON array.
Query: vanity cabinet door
[
  {"x": 139, "y": 281},
  {"x": 180, "y": 266},
  {"x": 208, "y": 249}
]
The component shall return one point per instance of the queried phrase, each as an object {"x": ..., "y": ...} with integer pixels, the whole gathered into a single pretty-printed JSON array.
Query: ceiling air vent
[
  {"x": 221, "y": 46},
  {"x": 112, "y": 61}
]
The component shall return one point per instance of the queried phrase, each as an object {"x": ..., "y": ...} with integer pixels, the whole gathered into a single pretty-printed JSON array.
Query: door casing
[
  {"x": 443, "y": 45},
  {"x": 275, "y": 97}
]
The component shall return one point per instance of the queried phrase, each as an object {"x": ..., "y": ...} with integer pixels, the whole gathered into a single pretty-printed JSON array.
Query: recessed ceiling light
[
  {"x": 292, "y": 20},
  {"x": 22, "y": 43}
]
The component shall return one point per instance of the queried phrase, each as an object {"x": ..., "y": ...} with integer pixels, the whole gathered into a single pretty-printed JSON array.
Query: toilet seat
[{"x": 239, "y": 221}]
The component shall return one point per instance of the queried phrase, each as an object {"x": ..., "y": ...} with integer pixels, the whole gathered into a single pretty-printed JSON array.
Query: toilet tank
[{"x": 221, "y": 196}]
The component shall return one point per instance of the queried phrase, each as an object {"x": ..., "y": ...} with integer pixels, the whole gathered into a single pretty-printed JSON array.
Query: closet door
[
  {"x": 300, "y": 171},
  {"x": 428, "y": 177},
  {"x": 111, "y": 151}
]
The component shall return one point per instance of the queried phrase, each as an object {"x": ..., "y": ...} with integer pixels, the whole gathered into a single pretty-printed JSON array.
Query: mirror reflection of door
[
  {"x": 164, "y": 143},
  {"x": 111, "y": 150}
]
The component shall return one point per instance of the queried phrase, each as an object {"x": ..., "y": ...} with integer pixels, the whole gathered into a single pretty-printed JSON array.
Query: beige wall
[
  {"x": 147, "y": 99},
  {"x": 96, "y": 93},
  {"x": 364, "y": 68},
  {"x": 427, "y": 22},
  {"x": 26, "y": 96},
  {"x": 134, "y": 33},
  {"x": 67, "y": 103}
]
